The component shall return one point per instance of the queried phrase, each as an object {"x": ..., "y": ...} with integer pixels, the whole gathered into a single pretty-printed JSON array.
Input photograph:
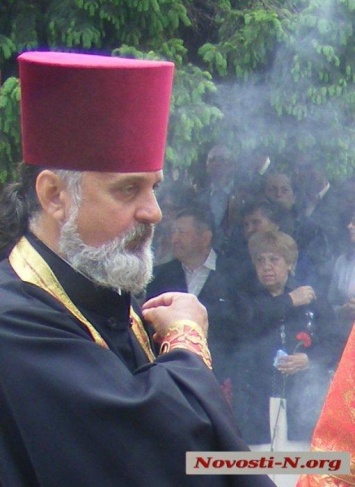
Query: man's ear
[
  {"x": 207, "y": 237},
  {"x": 52, "y": 195}
]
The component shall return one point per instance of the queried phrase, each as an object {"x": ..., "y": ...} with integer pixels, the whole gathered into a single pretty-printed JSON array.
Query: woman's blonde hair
[{"x": 273, "y": 241}]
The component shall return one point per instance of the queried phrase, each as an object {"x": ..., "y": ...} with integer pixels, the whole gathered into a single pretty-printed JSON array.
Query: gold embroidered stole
[{"x": 31, "y": 267}]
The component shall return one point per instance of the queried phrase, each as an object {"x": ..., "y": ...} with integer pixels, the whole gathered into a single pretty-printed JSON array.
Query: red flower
[{"x": 304, "y": 340}]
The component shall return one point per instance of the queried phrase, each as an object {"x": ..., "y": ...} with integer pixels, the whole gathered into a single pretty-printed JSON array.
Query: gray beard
[{"x": 125, "y": 263}]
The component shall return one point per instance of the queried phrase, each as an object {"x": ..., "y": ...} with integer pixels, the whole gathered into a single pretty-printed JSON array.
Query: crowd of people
[{"x": 273, "y": 262}]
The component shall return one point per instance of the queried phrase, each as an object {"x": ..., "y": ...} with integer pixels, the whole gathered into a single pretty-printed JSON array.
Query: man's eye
[
  {"x": 129, "y": 190},
  {"x": 156, "y": 187}
]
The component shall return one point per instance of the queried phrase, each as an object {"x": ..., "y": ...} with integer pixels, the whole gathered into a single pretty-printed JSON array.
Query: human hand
[
  {"x": 302, "y": 295},
  {"x": 168, "y": 308},
  {"x": 291, "y": 364}
]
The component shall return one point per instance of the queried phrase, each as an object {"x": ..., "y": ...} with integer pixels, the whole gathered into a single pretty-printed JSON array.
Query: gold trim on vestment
[
  {"x": 141, "y": 335},
  {"x": 187, "y": 335},
  {"x": 30, "y": 266}
]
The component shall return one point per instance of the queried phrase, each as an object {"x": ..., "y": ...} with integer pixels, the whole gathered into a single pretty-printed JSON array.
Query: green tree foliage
[
  {"x": 139, "y": 28},
  {"x": 275, "y": 76},
  {"x": 10, "y": 152},
  {"x": 290, "y": 73},
  {"x": 193, "y": 121}
]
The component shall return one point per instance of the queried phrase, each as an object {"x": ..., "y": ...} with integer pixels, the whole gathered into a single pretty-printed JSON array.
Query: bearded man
[{"x": 83, "y": 399}]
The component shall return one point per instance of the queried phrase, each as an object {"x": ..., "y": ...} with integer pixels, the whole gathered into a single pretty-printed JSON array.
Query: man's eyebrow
[
  {"x": 135, "y": 179},
  {"x": 132, "y": 179}
]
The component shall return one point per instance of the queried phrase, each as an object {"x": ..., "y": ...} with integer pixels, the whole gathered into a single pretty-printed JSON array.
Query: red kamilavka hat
[{"x": 94, "y": 113}]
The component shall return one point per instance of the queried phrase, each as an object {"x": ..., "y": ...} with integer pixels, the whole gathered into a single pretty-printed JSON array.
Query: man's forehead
[
  {"x": 184, "y": 222},
  {"x": 149, "y": 177},
  {"x": 258, "y": 214},
  {"x": 278, "y": 180},
  {"x": 268, "y": 254}
]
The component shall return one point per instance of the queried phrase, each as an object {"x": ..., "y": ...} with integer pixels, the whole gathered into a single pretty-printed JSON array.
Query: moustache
[{"x": 137, "y": 237}]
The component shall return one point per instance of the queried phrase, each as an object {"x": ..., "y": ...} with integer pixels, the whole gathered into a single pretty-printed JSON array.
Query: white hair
[{"x": 73, "y": 181}]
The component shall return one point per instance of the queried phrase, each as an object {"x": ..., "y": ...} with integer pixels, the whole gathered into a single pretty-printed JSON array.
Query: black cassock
[{"x": 73, "y": 413}]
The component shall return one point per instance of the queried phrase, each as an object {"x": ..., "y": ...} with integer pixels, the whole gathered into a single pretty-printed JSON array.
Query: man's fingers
[{"x": 164, "y": 299}]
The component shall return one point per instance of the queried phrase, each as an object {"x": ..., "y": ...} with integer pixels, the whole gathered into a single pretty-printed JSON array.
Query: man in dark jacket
[{"x": 200, "y": 270}]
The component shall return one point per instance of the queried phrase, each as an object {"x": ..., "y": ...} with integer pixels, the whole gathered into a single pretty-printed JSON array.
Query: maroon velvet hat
[{"x": 94, "y": 113}]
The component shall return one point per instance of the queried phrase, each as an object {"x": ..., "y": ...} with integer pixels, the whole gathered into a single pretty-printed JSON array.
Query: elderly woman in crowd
[{"x": 280, "y": 398}]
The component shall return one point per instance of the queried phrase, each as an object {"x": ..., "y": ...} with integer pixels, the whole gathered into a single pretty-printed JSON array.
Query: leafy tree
[
  {"x": 289, "y": 69},
  {"x": 275, "y": 76},
  {"x": 10, "y": 152},
  {"x": 193, "y": 121},
  {"x": 141, "y": 28}
]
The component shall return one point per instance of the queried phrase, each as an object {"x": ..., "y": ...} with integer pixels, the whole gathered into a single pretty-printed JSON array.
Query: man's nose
[
  {"x": 266, "y": 264},
  {"x": 149, "y": 211}
]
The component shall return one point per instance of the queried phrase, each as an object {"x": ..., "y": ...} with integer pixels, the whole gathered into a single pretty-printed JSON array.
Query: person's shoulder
[
  {"x": 222, "y": 259},
  {"x": 20, "y": 298},
  {"x": 166, "y": 266},
  {"x": 16, "y": 292},
  {"x": 308, "y": 229},
  {"x": 166, "y": 274},
  {"x": 167, "y": 277},
  {"x": 28, "y": 310},
  {"x": 344, "y": 261},
  {"x": 307, "y": 222},
  {"x": 8, "y": 277},
  {"x": 226, "y": 264}
]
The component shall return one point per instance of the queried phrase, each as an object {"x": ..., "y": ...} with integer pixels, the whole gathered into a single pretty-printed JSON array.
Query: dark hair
[
  {"x": 18, "y": 203},
  {"x": 174, "y": 194},
  {"x": 201, "y": 215},
  {"x": 266, "y": 177},
  {"x": 270, "y": 209}
]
